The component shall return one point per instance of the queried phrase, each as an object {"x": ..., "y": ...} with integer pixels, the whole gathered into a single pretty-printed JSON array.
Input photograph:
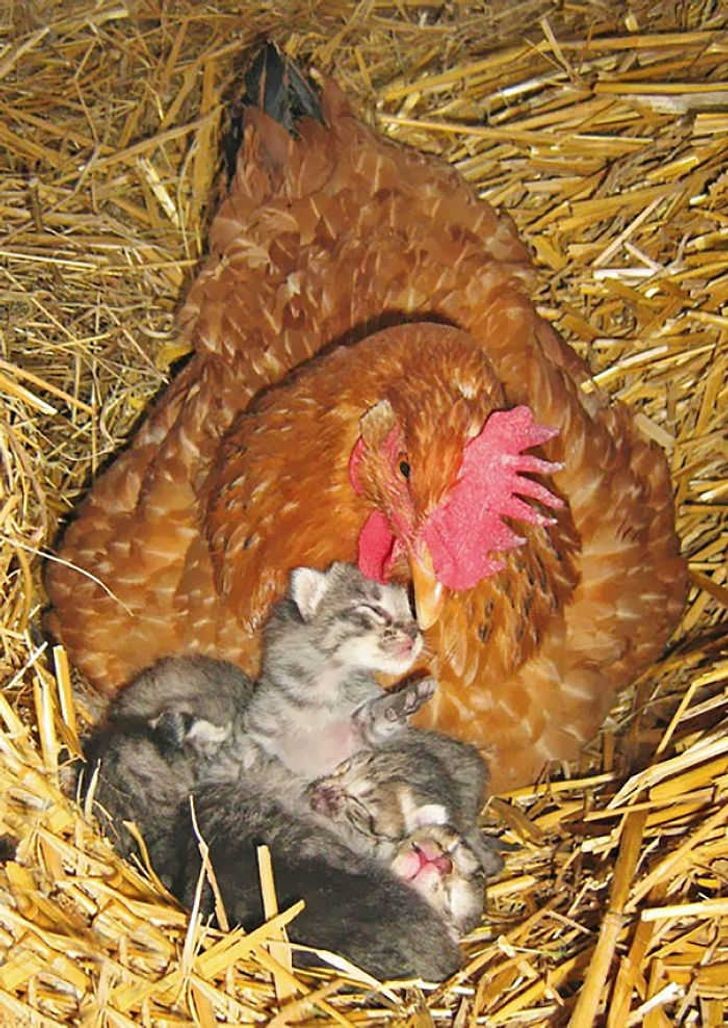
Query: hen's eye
[{"x": 404, "y": 469}]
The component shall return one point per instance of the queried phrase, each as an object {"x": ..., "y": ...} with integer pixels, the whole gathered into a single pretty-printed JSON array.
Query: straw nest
[{"x": 602, "y": 128}]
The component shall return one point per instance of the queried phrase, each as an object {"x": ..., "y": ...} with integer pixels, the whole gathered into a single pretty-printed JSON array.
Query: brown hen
[{"x": 337, "y": 240}]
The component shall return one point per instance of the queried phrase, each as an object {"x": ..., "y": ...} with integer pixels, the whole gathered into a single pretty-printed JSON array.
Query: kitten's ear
[{"x": 308, "y": 587}]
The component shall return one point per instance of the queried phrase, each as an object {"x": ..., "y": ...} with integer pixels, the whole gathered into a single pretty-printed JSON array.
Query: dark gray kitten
[
  {"x": 355, "y": 906},
  {"x": 141, "y": 769}
]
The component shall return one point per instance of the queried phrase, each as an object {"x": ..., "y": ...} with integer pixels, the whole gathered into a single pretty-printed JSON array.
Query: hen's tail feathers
[{"x": 275, "y": 85}]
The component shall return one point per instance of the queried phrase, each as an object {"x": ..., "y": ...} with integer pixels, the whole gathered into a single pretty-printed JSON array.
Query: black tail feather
[
  {"x": 278, "y": 87},
  {"x": 275, "y": 84}
]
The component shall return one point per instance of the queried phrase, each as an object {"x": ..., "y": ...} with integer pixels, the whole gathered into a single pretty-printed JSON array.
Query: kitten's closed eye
[
  {"x": 372, "y": 613},
  {"x": 360, "y": 818},
  {"x": 343, "y": 768}
]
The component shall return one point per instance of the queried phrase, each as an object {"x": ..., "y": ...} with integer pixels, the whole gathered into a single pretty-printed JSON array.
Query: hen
[{"x": 402, "y": 445}]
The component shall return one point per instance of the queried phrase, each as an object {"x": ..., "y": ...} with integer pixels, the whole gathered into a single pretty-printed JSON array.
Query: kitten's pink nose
[
  {"x": 405, "y": 645},
  {"x": 433, "y": 856}
]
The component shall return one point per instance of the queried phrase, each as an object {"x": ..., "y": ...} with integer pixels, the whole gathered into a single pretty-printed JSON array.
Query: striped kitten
[
  {"x": 413, "y": 781},
  {"x": 317, "y": 701}
]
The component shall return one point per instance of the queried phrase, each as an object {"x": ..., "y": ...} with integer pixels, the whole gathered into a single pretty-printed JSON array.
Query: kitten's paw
[
  {"x": 396, "y": 706},
  {"x": 489, "y": 851},
  {"x": 387, "y": 714},
  {"x": 325, "y": 798},
  {"x": 415, "y": 694}
]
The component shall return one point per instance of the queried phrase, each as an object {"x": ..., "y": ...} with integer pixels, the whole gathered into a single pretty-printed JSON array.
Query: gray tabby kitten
[
  {"x": 415, "y": 781},
  {"x": 312, "y": 705}
]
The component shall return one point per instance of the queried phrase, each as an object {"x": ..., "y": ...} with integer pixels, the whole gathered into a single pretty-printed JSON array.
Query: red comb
[{"x": 465, "y": 531}]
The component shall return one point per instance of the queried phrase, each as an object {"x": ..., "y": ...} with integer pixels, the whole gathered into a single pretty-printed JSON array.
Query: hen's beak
[{"x": 429, "y": 593}]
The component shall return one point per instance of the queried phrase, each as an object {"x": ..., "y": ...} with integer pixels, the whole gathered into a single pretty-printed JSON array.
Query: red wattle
[{"x": 376, "y": 547}]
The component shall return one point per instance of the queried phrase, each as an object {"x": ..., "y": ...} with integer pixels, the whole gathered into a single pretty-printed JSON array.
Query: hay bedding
[{"x": 602, "y": 127}]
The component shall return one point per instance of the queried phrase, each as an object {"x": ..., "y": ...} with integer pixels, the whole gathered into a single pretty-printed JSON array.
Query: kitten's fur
[
  {"x": 321, "y": 649},
  {"x": 146, "y": 771},
  {"x": 420, "y": 778}
]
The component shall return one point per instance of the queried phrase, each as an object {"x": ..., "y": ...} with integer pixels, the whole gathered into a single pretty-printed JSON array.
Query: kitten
[
  {"x": 355, "y": 906},
  {"x": 316, "y": 702},
  {"x": 321, "y": 649},
  {"x": 420, "y": 778},
  {"x": 145, "y": 769}
]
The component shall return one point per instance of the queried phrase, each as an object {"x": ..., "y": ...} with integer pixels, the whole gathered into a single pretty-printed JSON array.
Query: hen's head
[
  {"x": 401, "y": 448},
  {"x": 444, "y": 515}
]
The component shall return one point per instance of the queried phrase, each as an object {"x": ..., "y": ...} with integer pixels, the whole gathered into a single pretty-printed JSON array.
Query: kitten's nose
[{"x": 432, "y": 854}]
